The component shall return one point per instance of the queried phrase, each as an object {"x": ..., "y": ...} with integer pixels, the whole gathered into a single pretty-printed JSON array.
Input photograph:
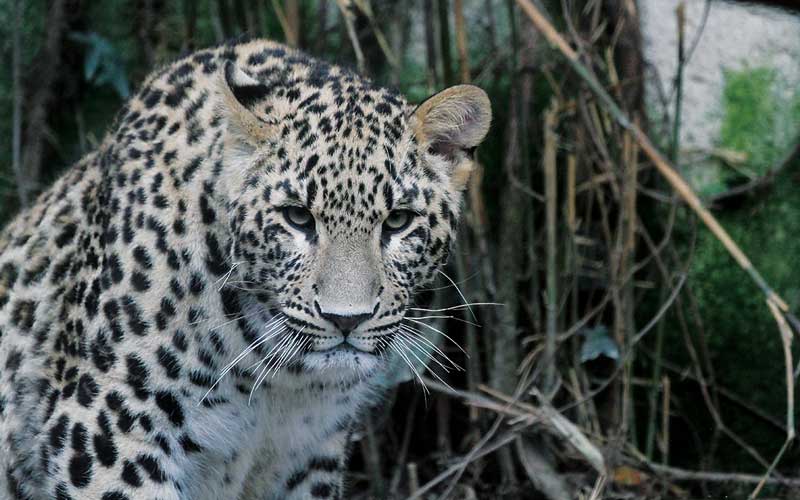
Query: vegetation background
[{"x": 630, "y": 356}]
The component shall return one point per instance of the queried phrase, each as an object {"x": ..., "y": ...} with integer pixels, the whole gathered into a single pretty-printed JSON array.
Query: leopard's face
[{"x": 340, "y": 214}]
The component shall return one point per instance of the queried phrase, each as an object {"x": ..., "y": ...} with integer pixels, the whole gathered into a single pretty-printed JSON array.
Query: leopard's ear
[
  {"x": 451, "y": 124},
  {"x": 239, "y": 92}
]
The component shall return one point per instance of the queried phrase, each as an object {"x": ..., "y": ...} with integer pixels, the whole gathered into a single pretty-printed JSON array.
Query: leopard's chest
[{"x": 252, "y": 449}]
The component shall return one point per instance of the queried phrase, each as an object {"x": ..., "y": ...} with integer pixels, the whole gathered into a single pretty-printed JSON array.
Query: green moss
[
  {"x": 750, "y": 114},
  {"x": 743, "y": 338},
  {"x": 760, "y": 118}
]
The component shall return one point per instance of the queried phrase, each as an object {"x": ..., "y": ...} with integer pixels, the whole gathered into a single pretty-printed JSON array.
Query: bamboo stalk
[
  {"x": 551, "y": 208},
  {"x": 292, "y": 10},
  {"x": 680, "y": 13},
  {"x": 430, "y": 45},
  {"x": 461, "y": 41},
  {"x": 665, "y": 413},
  {"x": 659, "y": 161},
  {"x": 288, "y": 30},
  {"x": 444, "y": 42}
]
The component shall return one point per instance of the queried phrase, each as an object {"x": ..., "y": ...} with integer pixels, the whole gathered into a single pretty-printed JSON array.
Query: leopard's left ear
[
  {"x": 451, "y": 124},
  {"x": 239, "y": 92}
]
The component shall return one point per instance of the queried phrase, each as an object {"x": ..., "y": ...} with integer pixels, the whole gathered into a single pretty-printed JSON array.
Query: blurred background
[{"x": 616, "y": 349}]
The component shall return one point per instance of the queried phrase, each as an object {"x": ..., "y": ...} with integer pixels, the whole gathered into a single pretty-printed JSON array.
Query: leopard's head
[{"x": 344, "y": 202}]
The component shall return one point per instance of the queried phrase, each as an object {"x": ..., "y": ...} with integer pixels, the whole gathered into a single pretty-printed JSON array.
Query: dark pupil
[{"x": 299, "y": 216}]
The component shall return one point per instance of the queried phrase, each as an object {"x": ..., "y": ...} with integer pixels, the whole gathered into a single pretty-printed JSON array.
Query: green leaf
[
  {"x": 91, "y": 63},
  {"x": 120, "y": 83},
  {"x": 103, "y": 65},
  {"x": 598, "y": 343}
]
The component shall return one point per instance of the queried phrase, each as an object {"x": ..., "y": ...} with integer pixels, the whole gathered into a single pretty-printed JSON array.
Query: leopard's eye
[
  {"x": 299, "y": 218},
  {"x": 398, "y": 220}
]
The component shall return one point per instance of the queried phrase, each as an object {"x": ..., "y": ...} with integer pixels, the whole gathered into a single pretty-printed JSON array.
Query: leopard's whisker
[
  {"x": 285, "y": 350},
  {"x": 266, "y": 336},
  {"x": 423, "y": 349},
  {"x": 439, "y": 332},
  {"x": 291, "y": 351},
  {"x": 421, "y": 338},
  {"x": 437, "y": 288},
  {"x": 458, "y": 290},
  {"x": 432, "y": 372},
  {"x": 408, "y": 362},
  {"x": 270, "y": 360},
  {"x": 457, "y": 307},
  {"x": 254, "y": 345},
  {"x": 454, "y": 318},
  {"x": 243, "y": 316},
  {"x": 271, "y": 353},
  {"x": 227, "y": 275},
  {"x": 303, "y": 344}
]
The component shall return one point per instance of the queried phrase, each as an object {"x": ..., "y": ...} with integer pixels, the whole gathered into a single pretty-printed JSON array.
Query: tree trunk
[
  {"x": 146, "y": 20},
  {"x": 444, "y": 42},
  {"x": 224, "y": 15},
  {"x": 216, "y": 20},
  {"x": 190, "y": 20},
  {"x": 43, "y": 73},
  {"x": 16, "y": 124},
  {"x": 321, "y": 42},
  {"x": 293, "y": 20},
  {"x": 430, "y": 45}
]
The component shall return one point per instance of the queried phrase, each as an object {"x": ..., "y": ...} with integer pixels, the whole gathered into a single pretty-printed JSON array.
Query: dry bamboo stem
[
  {"x": 461, "y": 41},
  {"x": 349, "y": 22},
  {"x": 551, "y": 306},
  {"x": 662, "y": 164},
  {"x": 786, "y": 337},
  {"x": 718, "y": 477},
  {"x": 286, "y": 25}
]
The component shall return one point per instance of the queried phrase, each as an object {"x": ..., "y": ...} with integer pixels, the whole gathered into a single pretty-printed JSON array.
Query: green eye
[
  {"x": 398, "y": 220},
  {"x": 299, "y": 217}
]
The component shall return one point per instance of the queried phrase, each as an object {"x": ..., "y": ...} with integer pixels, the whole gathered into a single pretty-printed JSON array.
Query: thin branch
[{"x": 661, "y": 163}]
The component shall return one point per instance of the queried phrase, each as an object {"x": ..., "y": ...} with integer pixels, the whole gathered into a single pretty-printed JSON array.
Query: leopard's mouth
[{"x": 344, "y": 347}]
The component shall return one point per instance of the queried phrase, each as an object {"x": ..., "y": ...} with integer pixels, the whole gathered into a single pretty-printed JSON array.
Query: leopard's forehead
[
  {"x": 343, "y": 145},
  {"x": 331, "y": 112}
]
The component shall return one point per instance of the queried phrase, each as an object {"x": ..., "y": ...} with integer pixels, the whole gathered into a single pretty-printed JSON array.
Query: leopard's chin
[{"x": 343, "y": 360}]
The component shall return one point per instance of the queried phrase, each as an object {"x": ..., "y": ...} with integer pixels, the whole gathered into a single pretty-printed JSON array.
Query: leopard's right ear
[{"x": 240, "y": 92}]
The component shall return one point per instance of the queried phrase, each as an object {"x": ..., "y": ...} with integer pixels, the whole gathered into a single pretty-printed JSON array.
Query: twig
[
  {"x": 718, "y": 477},
  {"x": 401, "y": 457},
  {"x": 551, "y": 298},
  {"x": 663, "y": 165},
  {"x": 786, "y": 337},
  {"x": 488, "y": 449},
  {"x": 349, "y": 22},
  {"x": 541, "y": 472},
  {"x": 762, "y": 182}
]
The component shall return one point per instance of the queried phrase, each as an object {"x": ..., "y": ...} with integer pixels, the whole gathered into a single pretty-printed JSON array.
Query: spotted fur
[{"x": 181, "y": 250}]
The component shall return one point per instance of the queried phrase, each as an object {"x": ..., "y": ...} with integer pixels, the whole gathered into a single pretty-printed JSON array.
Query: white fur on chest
[{"x": 249, "y": 450}]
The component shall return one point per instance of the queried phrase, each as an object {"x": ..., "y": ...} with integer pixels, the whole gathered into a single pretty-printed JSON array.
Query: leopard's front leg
[{"x": 321, "y": 476}]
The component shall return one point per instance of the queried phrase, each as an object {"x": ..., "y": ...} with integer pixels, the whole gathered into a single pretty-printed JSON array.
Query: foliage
[
  {"x": 102, "y": 65},
  {"x": 597, "y": 342}
]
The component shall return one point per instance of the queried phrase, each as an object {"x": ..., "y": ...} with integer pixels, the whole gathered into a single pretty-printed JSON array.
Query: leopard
[{"x": 205, "y": 305}]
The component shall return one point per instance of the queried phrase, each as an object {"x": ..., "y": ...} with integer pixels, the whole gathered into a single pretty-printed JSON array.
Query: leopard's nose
[{"x": 346, "y": 323}]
